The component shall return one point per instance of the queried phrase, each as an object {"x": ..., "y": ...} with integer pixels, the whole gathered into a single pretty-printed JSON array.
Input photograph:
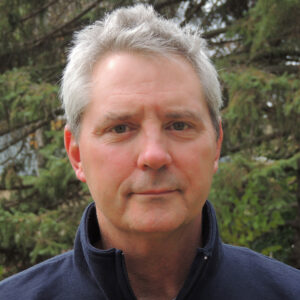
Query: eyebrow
[
  {"x": 124, "y": 116},
  {"x": 185, "y": 114},
  {"x": 112, "y": 117}
]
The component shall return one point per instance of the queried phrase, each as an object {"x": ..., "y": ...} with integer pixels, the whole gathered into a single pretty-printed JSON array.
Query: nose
[{"x": 154, "y": 153}]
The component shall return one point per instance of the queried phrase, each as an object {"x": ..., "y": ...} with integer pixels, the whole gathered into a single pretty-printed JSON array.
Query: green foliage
[
  {"x": 261, "y": 104},
  {"x": 256, "y": 190},
  {"x": 274, "y": 20},
  {"x": 253, "y": 199},
  {"x": 28, "y": 238},
  {"x": 24, "y": 101}
]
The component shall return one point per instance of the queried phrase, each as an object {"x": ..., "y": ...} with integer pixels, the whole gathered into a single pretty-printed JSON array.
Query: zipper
[
  {"x": 194, "y": 276},
  {"x": 122, "y": 275}
]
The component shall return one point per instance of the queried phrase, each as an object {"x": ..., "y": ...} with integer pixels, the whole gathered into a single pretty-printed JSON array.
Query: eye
[
  {"x": 178, "y": 126},
  {"x": 121, "y": 128}
]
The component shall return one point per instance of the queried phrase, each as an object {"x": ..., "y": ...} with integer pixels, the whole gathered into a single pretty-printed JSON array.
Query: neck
[{"x": 157, "y": 264}]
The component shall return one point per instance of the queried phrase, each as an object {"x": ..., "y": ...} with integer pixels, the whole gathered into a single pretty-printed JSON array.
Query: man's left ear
[
  {"x": 219, "y": 147},
  {"x": 73, "y": 152}
]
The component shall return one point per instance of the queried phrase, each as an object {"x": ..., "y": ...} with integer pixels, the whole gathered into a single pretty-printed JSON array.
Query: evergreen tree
[{"x": 258, "y": 189}]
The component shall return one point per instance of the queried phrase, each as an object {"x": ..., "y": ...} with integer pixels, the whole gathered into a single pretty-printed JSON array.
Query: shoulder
[
  {"x": 242, "y": 256},
  {"x": 39, "y": 280},
  {"x": 264, "y": 274}
]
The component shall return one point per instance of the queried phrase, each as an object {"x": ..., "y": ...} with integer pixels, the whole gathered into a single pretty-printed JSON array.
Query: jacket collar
[{"x": 107, "y": 267}]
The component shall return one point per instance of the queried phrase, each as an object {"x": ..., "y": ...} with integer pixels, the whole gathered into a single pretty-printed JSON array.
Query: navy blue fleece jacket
[{"x": 219, "y": 271}]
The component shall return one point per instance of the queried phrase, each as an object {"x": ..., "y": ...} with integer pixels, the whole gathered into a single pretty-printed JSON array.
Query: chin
[{"x": 157, "y": 222}]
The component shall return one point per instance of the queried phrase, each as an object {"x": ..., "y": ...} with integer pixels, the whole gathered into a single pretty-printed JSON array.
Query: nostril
[{"x": 154, "y": 159}]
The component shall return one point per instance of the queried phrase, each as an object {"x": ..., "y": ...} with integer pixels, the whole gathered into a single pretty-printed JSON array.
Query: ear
[
  {"x": 73, "y": 152},
  {"x": 219, "y": 147}
]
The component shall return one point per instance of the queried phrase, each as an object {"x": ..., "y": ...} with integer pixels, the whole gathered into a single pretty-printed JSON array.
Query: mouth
[{"x": 159, "y": 192}]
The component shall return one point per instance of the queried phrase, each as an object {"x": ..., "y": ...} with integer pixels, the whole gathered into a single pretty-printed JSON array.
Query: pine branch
[
  {"x": 192, "y": 11},
  {"x": 256, "y": 141},
  {"x": 161, "y": 5},
  {"x": 276, "y": 53},
  {"x": 55, "y": 113},
  {"x": 2, "y": 163},
  {"x": 280, "y": 69},
  {"x": 16, "y": 188},
  {"x": 25, "y": 132},
  {"x": 35, "y": 13},
  {"x": 213, "y": 33},
  {"x": 224, "y": 42},
  {"x": 42, "y": 39}
]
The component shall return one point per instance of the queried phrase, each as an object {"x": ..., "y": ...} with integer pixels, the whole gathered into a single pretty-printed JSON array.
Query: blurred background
[{"x": 255, "y": 46}]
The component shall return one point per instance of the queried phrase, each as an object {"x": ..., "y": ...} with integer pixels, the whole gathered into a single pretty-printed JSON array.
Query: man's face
[{"x": 147, "y": 147}]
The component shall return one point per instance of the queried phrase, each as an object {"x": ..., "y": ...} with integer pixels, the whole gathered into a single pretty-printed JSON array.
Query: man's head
[
  {"x": 147, "y": 147},
  {"x": 136, "y": 29}
]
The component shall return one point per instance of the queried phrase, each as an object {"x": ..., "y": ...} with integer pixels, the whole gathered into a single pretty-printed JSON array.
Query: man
[{"x": 143, "y": 131}]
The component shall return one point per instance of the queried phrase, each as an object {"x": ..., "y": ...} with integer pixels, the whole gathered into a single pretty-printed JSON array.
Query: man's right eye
[{"x": 122, "y": 128}]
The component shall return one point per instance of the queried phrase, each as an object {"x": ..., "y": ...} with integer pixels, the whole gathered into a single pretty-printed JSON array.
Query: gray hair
[{"x": 138, "y": 28}]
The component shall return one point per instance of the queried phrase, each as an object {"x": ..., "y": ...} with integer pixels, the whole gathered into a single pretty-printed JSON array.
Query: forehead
[
  {"x": 129, "y": 67},
  {"x": 124, "y": 79}
]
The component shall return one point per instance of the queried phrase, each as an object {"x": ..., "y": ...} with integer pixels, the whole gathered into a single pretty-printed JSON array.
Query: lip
[{"x": 156, "y": 192}]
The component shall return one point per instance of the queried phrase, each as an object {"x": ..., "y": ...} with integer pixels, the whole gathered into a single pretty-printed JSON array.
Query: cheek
[
  {"x": 106, "y": 163},
  {"x": 197, "y": 158},
  {"x": 196, "y": 162},
  {"x": 106, "y": 168}
]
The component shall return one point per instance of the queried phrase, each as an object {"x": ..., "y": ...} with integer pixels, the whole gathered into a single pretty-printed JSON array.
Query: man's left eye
[
  {"x": 122, "y": 128},
  {"x": 179, "y": 126}
]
